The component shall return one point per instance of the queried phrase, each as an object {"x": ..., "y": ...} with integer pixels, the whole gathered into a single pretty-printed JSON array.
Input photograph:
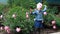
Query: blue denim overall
[{"x": 38, "y": 18}]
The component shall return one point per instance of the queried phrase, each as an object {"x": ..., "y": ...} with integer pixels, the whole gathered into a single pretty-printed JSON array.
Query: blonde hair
[{"x": 39, "y": 5}]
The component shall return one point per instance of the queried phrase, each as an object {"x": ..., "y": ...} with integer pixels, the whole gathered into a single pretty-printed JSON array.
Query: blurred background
[{"x": 19, "y": 9}]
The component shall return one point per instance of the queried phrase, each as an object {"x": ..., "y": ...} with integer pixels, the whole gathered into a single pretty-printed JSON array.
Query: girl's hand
[
  {"x": 30, "y": 10},
  {"x": 42, "y": 21}
]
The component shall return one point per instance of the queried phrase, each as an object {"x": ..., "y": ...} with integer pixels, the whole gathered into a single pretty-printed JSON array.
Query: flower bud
[{"x": 27, "y": 16}]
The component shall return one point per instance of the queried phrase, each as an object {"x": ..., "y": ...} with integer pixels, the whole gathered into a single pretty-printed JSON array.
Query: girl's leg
[
  {"x": 41, "y": 28},
  {"x": 35, "y": 31},
  {"x": 39, "y": 31},
  {"x": 36, "y": 25}
]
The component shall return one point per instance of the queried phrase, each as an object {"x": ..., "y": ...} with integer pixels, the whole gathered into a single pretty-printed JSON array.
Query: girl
[{"x": 38, "y": 17}]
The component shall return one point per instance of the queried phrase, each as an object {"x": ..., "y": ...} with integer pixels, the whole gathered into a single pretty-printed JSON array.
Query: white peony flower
[
  {"x": 54, "y": 27},
  {"x": 18, "y": 29},
  {"x": 14, "y": 16},
  {"x": 1, "y": 16},
  {"x": 45, "y": 13},
  {"x": 53, "y": 22},
  {"x": 1, "y": 28}
]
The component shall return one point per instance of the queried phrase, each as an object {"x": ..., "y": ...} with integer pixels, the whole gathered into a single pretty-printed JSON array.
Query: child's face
[{"x": 39, "y": 7}]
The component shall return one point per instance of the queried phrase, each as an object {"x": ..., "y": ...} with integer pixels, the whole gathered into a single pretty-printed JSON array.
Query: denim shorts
[{"x": 38, "y": 24}]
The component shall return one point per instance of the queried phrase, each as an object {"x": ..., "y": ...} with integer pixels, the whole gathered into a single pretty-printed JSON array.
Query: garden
[{"x": 13, "y": 16}]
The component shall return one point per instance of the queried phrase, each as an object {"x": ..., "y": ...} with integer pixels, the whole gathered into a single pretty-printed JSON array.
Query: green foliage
[
  {"x": 57, "y": 19},
  {"x": 20, "y": 19},
  {"x": 23, "y": 3},
  {"x": 1, "y": 9},
  {"x": 51, "y": 15},
  {"x": 52, "y": 10},
  {"x": 20, "y": 7}
]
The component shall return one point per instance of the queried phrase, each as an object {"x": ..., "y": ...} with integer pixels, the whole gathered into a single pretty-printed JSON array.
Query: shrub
[{"x": 20, "y": 20}]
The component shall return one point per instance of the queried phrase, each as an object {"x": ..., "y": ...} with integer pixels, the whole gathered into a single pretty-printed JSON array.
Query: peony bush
[{"x": 17, "y": 17}]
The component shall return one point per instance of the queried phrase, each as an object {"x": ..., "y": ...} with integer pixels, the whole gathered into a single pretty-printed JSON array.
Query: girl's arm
[
  {"x": 32, "y": 13},
  {"x": 44, "y": 11},
  {"x": 44, "y": 8}
]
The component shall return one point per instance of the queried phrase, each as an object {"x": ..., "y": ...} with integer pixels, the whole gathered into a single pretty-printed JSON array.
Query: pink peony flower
[
  {"x": 18, "y": 29},
  {"x": 54, "y": 27},
  {"x": 53, "y": 22},
  {"x": 45, "y": 13},
  {"x": 8, "y": 31},
  {"x": 6, "y": 27}
]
